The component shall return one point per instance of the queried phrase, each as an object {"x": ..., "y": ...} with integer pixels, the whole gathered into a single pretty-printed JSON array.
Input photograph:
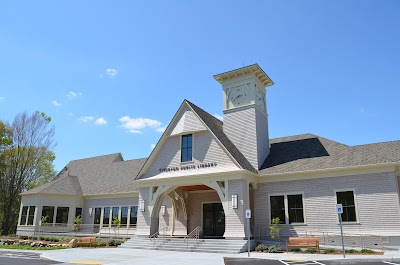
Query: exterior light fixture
[
  {"x": 141, "y": 205},
  {"x": 90, "y": 211},
  {"x": 162, "y": 210},
  {"x": 234, "y": 201}
]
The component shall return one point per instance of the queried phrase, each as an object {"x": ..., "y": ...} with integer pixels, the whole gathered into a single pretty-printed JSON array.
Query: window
[
  {"x": 278, "y": 208},
  {"x": 78, "y": 212},
  {"x": 97, "y": 216},
  {"x": 133, "y": 217},
  {"x": 295, "y": 205},
  {"x": 31, "y": 215},
  {"x": 24, "y": 215},
  {"x": 106, "y": 217},
  {"x": 115, "y": 212},
  {"x": 186, "y": 148},
  {"x": 124, "y": 216},
  {"x": 346, "y": 198},
  {"x": 288, "y": 208},
  {"x": 62, "y": 215},
  {"x": 47, "y": 211}
]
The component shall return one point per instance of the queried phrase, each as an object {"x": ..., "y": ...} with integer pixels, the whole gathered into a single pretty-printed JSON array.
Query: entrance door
[{"x": 213, "y": 220}]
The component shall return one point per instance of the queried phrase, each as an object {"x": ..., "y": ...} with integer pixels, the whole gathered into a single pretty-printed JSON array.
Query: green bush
[
  {"x": 274, "y": 249},
  {"x": 261, "y": 248},
  {"x": 115, "y": 242},
  {"x": 311, "y": 250},
  {"x": 365, "y": 250},
  {"x": 352, "y": 251},
  {"x": 295, "y": 250},
  {"x": 23, "y": 237},
  {"x": 329, "y": 250}
]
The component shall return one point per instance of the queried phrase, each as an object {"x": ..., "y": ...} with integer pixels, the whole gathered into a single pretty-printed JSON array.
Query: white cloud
[
  {"x": 135, "y": 124},
  {"x": 219, "y": 117},
  {"x": 100, "y": 121},
  {"x": 152, "y": 146},
  {"x": 86, "y": 118},
  {"x": 161, "y": 129},
  {"x": 111, "y": 72},
  {"x": 56, "y": 103},
  {"x": 73, "y": 94}
]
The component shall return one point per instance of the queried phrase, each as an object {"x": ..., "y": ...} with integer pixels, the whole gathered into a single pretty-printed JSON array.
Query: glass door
[{"x": 213, "y": 220}]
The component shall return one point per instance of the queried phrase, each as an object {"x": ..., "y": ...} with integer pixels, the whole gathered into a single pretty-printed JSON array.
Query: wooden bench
[
  {"x": 302, "y": 242},
  {"x": 86, "y": 240}
]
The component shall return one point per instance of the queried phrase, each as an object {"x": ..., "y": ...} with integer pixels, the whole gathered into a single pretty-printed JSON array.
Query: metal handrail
[
  {"x": 193, "y": 237},
  {"x": 159, "y": 236}
]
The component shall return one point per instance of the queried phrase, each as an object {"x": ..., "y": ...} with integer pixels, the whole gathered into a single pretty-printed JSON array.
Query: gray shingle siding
[{"x": 376, "y": 195}]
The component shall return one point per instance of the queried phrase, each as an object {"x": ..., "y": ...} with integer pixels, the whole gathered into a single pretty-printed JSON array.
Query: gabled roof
[
  {"x": 215, "y": 126},
  {"x": 96, "y": 175},
  {"x": 65, "y": 185},
  {"x": 311, "y": 152}
]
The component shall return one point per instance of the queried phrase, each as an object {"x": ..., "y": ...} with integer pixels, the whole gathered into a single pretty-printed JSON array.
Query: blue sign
[
  {"x": 248, "y": 214},
  {"x": 339, "y": 208}
]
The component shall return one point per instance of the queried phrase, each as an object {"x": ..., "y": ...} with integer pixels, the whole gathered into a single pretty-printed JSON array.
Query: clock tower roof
[{"x": 253, "y": 69}]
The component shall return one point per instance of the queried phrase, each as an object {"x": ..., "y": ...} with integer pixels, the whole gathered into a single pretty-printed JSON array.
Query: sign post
[
  {"x": 248, "y": 216},
  {"x": 339, "y": 210}
]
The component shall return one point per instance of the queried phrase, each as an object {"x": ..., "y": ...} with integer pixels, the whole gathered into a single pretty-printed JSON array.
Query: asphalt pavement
[{"x": 250, "y": 261}]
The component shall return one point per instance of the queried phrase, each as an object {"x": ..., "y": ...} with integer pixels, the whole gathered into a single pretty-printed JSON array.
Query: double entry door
[{"x": 213, "y": 220}]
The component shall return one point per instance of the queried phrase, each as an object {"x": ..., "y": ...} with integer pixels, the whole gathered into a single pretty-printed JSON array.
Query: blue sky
[{"x": 111, "y": 74}]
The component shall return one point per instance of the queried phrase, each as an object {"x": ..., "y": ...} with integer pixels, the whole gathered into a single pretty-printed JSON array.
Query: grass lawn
[{"x": 27, "y": 247}]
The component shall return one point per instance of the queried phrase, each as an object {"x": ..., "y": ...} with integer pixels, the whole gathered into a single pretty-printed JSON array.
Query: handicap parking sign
[
  {"x": 248, "y": 214},
  {"x": 339, "y": 208}
]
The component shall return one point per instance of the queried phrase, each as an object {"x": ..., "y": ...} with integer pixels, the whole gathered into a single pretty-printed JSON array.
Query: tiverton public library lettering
[{"x": 188, "y": 167}]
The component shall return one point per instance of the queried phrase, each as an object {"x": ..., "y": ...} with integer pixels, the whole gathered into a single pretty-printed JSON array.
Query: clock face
[
  {"x": 260, "y": 99},
  {"x": 238, "y": 96}
]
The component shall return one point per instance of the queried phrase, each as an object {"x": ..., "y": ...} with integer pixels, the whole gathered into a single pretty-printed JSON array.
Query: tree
[
  {"x": 275, "y": 229},
  {"x": 26, "y": 161}
]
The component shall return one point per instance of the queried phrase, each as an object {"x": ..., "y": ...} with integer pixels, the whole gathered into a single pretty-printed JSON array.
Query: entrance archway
[{"x": 179, "y": 217}]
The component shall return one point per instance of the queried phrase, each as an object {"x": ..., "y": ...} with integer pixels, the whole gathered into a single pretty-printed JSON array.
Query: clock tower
[{"x": 245, "y": 111}]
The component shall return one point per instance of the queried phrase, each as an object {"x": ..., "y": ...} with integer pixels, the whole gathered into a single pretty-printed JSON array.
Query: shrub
[
  {"x": 274, "y": 249},
  {"x": 24, "y": 237},
  {"x": 311, "y": 250},
  {"x": 329, "y": 250},
  {"x": 115, "y": 242},
  {"x": 352, "y": 251},
  {"x": 365, "y": 250},
  {"x": 295, "y": 250},
  {"x": 261, "y": 248}
]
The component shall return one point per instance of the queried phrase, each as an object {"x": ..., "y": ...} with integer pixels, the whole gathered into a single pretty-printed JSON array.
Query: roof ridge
[
  {"x": 384, "y": 142},
  {"x": 130, "y": 160},
  {"x": 92, "y": 157}
]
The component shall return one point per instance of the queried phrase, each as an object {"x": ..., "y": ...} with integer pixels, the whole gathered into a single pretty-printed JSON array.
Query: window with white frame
[
  {"x": 115, "y": 215},
  {"x": 27, "y": 215},
  {"x": 186, "y": 148},
  {"x": 346, "y": 198},
  {"x": 289, "y": 208},
  {"x": 124, "y": 216},
  {"x": 106, "y": 216},
  {"x": 24, "y": 215}
]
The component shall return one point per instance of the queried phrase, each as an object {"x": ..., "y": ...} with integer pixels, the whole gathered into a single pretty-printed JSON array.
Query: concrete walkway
[{"x": 121, "y": 256}]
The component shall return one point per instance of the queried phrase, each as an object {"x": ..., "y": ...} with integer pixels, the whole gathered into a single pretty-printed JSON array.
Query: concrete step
[{"x": 178, "y": 244}]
